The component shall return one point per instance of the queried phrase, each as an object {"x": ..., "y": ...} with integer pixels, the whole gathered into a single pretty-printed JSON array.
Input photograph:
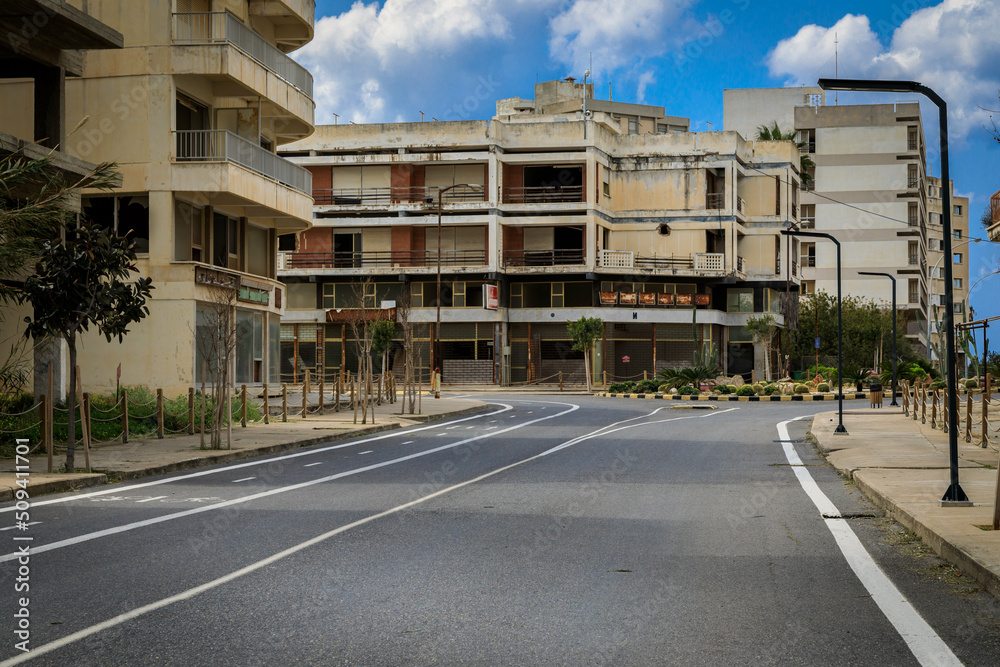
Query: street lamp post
[
  {"x": 893, "y": 279},
  {"x": 436, "y": 338},
  {"x": 930, "y": 289},
  {"x": 840, "y": 326},
  {"x": 954, "y": 496}
]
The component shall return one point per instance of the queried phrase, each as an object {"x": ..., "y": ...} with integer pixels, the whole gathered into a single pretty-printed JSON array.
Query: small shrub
[
  {"x": 622, "y": 387},
  {"x": 745, "y": 390},
  {"x": 757, "y": 388},
  {"x": 646, "y": 387},
  {"x": 822, "y": 386},
  {"x": 772, "y": 389},
  {"x": 732, "y": 388},
  {"x": 801, "y": 389},
  {"x": 687, "y": 390},
  {"x": 663, "y": 388},
  {"x": 939, "y": 384},
  {"x": 972, "y": 383},
  {"x": 724, "y": 389}
]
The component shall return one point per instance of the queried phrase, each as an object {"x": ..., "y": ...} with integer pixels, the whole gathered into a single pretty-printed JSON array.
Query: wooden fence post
[
  {"x": 124, "y": 415},
  {"x": 267, "y": 407},
  {"x": 984, "y": 439},
  {"x": 243, "y": 406},
  {"x": 204, "y": 371},
  {"x": 305, "y": 396},
  {"x": 906, "y": 392},
  {"x": 159, "y": 413},
  {"x": 322, "y": 388},
  {"x": 923, "y": 404},
  {"x": 336, "y": 400},
  {"x": 190, "y": 410},
  {"x": 560, "y": 381},
  {"x": 604, "y": 375},
  {"x": 934, "y": 407},
  {"x": 284, "y": 402}
]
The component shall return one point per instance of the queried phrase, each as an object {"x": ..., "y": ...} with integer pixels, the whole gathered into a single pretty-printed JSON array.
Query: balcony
[
  {"x": 292, "y": 19},
  {"x": 224, "y": 146},
  {"x": 914, "y": 260},
  {"x": 225, "y": 28},
  {"x": 740, "y": 205},
  {"x": 398, "y": 195},
  {"x": 795, "y": 211},
  {"x": 911, "y": 144},
  {"x": 627, "y": 259},
  {"x": 912, "y": 181},
  {"x": 808, "y": 261},
  {"x": 527, "y": 258},
  {"x": 715, "y": 200},
  {"x": 380, "y": 259},
  {"x": 545, "y": 194}
]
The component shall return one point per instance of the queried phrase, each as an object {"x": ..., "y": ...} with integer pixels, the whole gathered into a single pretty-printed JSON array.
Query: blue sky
[{"x": 388, "y": 61}]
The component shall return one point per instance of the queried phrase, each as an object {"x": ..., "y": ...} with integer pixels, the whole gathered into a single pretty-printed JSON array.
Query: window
[
  {"x": 957, "y": 258},
  {"x": 777, "y": 196},
  {"x": 808, "y": 286},
  {"x": 957, "y": 283},
  {"x": 188, "y": 231},
  {"x": 957, "y": 234},
  {"x": 958, "y": 307},
  {"x": 912, "y": 177},
  {"x": 607, "y": 181},
  {"x": 914, "y": 253},
  {"x": 807, "y": 139},
  {"x": 958, "y": 210},
  {"x": 808, "y": 216},
  {"x": 125, "y": 215},
  {"x": 914, "y": 291},
  {"x": 633, "y": 126},
  {"x": 912, "y": 214},
  {"x": 739, "y": 301}
]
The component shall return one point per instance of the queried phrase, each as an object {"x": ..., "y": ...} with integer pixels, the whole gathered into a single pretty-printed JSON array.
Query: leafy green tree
[
  {"x": 79, "y": 282},
  {"x": 36, "y": 201},
  {"x": 584, "y": 332},
  {"x": 763, "y": 329},
  {"x": 382, "y": 331},
  {"x": 774, "y": 133}
]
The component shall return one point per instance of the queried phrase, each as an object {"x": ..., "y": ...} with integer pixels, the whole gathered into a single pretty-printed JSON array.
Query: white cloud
[
  {"x": 617, "y": 33},
  {"x": 951, "y": 47},
  {"x": 358, "y": 57}
]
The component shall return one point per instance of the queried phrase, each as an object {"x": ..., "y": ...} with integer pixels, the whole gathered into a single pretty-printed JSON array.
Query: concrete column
[
  {"x": 51, "y": 353},
  {"x": 50, "y": 106}
]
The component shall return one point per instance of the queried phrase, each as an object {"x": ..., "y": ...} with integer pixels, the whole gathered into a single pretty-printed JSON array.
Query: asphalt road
[{"x": 548, "y": 530}]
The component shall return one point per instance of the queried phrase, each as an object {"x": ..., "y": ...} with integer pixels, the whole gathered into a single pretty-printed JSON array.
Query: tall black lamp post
[
  {"x": 893, "y": 279},
  {"x": 840, "y": 326},
  {"x": 436, "y": 338},
  {"x": 954, "y": 496}
]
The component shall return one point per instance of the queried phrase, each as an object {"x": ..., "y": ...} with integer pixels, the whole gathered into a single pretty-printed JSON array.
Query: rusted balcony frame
[
  {"x": 395, "y": 195},
  {"x": 384, "y": 259},
  {"x": 545, "y": 194},
  {"x": 528, "y": 258}
]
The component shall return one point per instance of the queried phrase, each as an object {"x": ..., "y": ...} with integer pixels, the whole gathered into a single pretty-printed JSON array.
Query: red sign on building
[{"x": 491, "y": 297}]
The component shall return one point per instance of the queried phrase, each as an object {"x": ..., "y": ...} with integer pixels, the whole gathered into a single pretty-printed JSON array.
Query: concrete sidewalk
[
  {"x": 901, "y": 465},
  {"x": 148, "y": 455}
]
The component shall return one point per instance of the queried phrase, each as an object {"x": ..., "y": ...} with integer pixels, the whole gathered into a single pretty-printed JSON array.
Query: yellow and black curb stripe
[{"x": 722, "y": 398}]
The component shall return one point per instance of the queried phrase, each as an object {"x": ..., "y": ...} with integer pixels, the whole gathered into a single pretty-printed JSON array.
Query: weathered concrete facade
[
  {"x": 568, "y": 215},
  {"x": 192, "y": 109},
  {"x": 869, "y": 190}
]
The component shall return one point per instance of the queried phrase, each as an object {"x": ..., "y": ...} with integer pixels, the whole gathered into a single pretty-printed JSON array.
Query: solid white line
[
  {"x": 257, "y": 462},
  {"x": 310, "y": 465},
  {"x": 253, "y": 567},
  {"x": 245, "y": 479},
  {"x": 149, "y": 500},
  {"x": 263, "y": 494},
  {"x": 927, "y": 647}
]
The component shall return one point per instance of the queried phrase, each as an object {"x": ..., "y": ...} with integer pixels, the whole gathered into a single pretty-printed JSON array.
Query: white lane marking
[
  {"x": 451, "y": 427},
  {"x": 925, "y": 644},
  {"x": 531, "y": 412},
  {"x": 467, "y": 428},
  {"x": 149, "y": 500},
  {"x": 370, "y": 451},
  {"x": 263, "y": 494},
  {"x": 490, "y": 428},
  {"x": 604, "y": 429},
  {"x": 408, "y": 442},
  {"x": 31, "y": 523},
  {"x": 253, "y": 567},
  {"x": 257, "y": 462},
  {"x": 310, "y": 465},
  {"x": 245, "y": 479}
]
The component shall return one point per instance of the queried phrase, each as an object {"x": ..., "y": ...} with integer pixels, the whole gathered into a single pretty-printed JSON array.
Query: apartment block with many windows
[
  {"x": 961, "y": 244},
  {"x": 191, "y": 110},
  {"x": 558, "y": 208},
  {"x": 868, "y": 189}
]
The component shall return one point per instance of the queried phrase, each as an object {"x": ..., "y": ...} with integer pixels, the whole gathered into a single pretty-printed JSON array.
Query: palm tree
[{"x": 774, "y": 133}]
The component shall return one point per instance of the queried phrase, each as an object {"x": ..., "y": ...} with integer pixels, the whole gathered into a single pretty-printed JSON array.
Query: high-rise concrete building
[
  {"x": 961, "y": 247},
  {"x": 192, "y": 109},
  {"x": 868, "y": 189},
  {"x": 557, "y": 208}
]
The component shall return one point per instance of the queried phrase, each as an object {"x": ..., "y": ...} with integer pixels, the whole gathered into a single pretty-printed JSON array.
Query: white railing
[
  {"x": 704, "y": 261},
  {"x": 616, "y": 259},
  {"x": 215, "y": 27},
  {"x": 224, "y": 146}
]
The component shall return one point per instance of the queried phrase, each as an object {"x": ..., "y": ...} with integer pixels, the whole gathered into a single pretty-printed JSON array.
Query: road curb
[
  {"x": 966, "y": 563},
  {"x": 722, "y": 398},
  {"x": 113, "y": 476}
]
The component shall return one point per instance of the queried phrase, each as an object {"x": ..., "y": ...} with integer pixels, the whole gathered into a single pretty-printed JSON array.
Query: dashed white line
[
  {"x": 925, "y": 644},
  {"x": 310, "y": 465},
  {"x": 32, "y": 523},
  {"x": 408, "y": 442},
  {"x": 245, "y": 479},
  {"x": 370, "y": 451},
  {"x": 451, "y": 427},
  {"x": 148, "y": 500}
]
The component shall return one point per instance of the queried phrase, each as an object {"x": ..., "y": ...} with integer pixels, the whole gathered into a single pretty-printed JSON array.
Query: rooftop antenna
[
  {"x": 836, "y": 64},
  {"x": 610, "y": 97},
  {"x": 709, "y": 125},
  {"x": 421, "y": 116},
  {"x": 336, "y": 117}
]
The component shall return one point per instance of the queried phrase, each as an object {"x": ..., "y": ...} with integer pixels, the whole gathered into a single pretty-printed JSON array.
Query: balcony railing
[
  {"x": 795, "y": 211},
  {"x": 542, "y": 257},
  {"x": 913, "y": 219},
  {"x": 223, "y": 27},
  {"x": 795, "y": 268},
  {"x": 709, "y": 261},
  {"x": 914, "y": 260},
  {"x": 398, "y": 195},
  {"x": 808, "y": 261},
  {"x": 224, "y": 146},
  {"x": 740, "y": 204},
  {"x": 385, "y": 259},
  {"x": 911, "y": 144},
  {"x": 912, "y": 181},
  {"x": 913, "y": 297},
  {"x": 715, "y": 200},
  {"x": 627, "y": 259},
  {"x": 545, "y": 194},
  {"x": 740, "y": 268}
]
